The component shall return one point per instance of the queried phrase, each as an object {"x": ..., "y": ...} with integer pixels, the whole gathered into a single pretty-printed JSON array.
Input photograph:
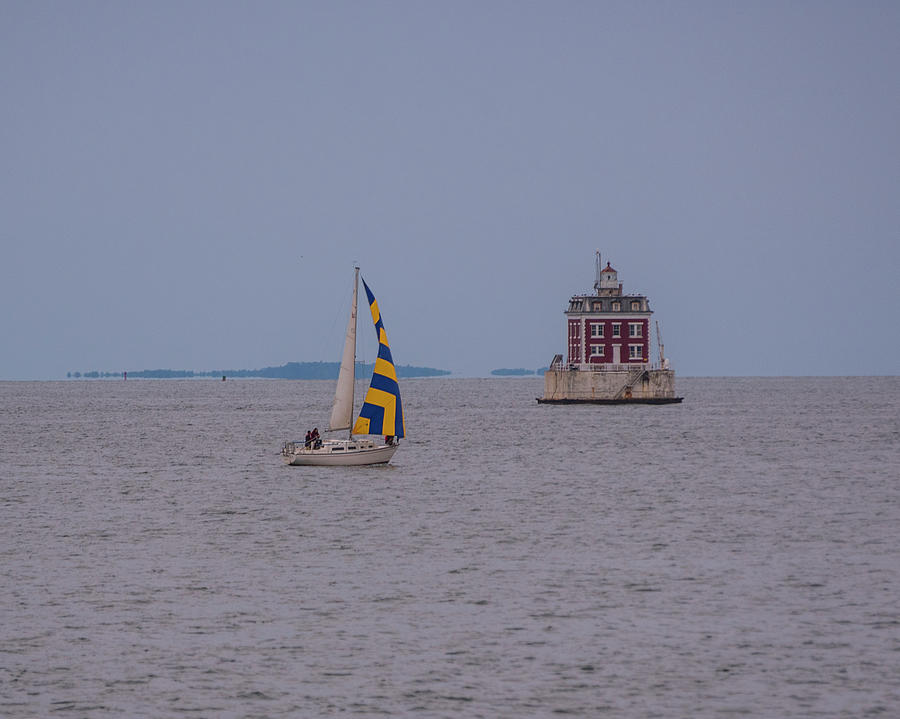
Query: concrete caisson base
[{"x": 626, "y": 386}]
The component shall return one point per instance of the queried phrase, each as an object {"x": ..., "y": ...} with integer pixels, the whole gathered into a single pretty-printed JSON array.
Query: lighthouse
[
  {"x": 608, "y": 327},
  {"x": 608, "y": 349}
]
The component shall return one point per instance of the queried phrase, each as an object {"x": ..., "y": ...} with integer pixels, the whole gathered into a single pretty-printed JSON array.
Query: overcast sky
[{"x": 187, "y": 185}]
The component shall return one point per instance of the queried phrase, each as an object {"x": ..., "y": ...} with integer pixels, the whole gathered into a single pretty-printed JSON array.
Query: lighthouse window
[
  {"x": 635, "y": 329},
  {"x": 617, "y": 329},
  {"x": 596, "y": 330},
  {"x": 635, "y": 351}
]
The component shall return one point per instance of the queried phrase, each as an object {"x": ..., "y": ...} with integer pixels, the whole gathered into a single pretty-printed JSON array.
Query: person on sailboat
[
  {"x": 389, "y": 439},
  {"x": 308, "y": 438},
  {"x": 317, "y": 442}
]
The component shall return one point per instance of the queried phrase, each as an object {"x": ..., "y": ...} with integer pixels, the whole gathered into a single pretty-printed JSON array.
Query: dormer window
[
  {"x": 616, "y": 306},
  {"x": 635, "y": 306}
]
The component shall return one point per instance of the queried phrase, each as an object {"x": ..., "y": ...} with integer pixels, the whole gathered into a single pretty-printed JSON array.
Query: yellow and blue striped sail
[{"x": 382, "y": 411}]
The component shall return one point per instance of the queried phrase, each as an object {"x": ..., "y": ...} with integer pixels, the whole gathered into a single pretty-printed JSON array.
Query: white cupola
[{"x": 609, "y": 279}]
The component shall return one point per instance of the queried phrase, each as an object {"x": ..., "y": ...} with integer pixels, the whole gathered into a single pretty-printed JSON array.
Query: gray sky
[{"x": 188, "y": 184}]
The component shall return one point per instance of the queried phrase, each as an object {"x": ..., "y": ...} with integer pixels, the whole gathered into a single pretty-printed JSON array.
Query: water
[{"x": 733, "y": 555}]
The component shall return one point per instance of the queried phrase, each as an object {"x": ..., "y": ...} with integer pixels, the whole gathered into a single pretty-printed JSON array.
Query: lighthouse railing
[{"x": 607, "y": 366}]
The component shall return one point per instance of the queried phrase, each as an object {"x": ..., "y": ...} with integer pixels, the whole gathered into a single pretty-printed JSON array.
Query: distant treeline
[
  {"x": 291, "y": 370},
  {"x": 504, "y": 372}
]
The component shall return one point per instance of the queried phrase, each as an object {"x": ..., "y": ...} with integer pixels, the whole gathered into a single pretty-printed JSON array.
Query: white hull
[{"x": 338, "y": 453}]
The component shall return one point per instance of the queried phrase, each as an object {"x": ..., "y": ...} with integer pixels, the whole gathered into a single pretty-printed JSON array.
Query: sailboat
[{"x": 381, "y": 413}]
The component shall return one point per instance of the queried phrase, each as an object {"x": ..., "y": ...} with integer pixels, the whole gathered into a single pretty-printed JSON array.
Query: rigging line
[
  {"x": 337, "y": 327},
  {"x": 362, "y": 312}
]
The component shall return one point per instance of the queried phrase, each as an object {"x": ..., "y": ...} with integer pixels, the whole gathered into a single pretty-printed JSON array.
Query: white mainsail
[{"x": 342, "y": 409}]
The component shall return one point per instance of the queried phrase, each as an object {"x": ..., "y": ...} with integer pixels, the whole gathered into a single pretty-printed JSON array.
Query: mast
[
  {"x": 659, "y": 342},
  {"x": 597, "y": 274},
  {"x": 353, "y": 364}
]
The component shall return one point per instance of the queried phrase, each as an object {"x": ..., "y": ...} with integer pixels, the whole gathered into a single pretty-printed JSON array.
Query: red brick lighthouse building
[
  {"x": 608, "y": 350},
  {"x": 608, "y": 327}
]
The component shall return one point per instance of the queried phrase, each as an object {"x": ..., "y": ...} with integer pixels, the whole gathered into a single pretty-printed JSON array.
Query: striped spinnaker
[{"x": 382, "y": 411}]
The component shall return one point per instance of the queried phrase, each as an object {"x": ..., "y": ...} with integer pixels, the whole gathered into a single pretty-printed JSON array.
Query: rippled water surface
[{"x": 738, "y": 554}]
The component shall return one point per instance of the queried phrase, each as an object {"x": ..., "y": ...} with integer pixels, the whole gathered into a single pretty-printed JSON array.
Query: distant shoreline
[
  {"x": 291, "y": 370},
  {"x": 518, "y": 372}
]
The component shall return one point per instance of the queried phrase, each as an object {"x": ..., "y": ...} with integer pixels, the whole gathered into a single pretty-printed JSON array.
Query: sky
[{"x": 188, "y": 185}]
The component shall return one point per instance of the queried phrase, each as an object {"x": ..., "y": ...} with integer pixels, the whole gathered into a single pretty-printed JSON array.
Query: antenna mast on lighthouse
[
  {"x": 597, "y": 274},
  {"x": 663, "y": 362}
]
